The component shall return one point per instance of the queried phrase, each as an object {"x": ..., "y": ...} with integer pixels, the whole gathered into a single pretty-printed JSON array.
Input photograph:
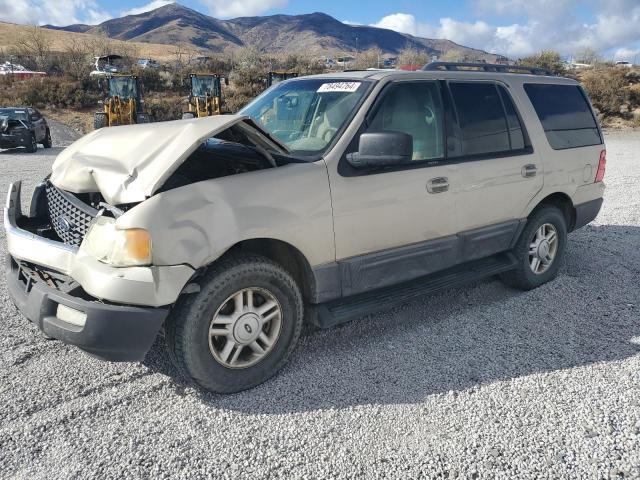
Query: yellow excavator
[
  {"x": 123, "y": 105},
  {"x": 205, "y": 98},
  {"x": 278, "y": 76}
]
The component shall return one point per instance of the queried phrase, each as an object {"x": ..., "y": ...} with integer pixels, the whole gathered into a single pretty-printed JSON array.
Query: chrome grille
[{"x": 69, "y": 217}]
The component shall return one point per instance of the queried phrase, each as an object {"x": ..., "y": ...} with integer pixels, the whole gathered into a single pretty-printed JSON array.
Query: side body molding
[{"x": 375, "y": 270}]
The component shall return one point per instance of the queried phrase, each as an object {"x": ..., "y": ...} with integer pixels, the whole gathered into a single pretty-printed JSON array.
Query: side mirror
[{"x": 382, "y": 149}]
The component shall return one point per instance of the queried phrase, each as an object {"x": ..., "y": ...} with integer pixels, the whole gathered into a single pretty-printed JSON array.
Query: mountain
[{"x": 316, "y": 33}]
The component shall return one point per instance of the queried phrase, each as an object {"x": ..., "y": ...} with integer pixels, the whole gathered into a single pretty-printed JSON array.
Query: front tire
[
  {"x": 240, "y": 329},
  {"x": 100, "y": 120},
  {"x": 33, "y": 144},
  {"x": 539, "y": 250}
]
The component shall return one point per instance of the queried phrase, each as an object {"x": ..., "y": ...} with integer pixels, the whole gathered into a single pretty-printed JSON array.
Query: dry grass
[{"x": 59, "y": 40}]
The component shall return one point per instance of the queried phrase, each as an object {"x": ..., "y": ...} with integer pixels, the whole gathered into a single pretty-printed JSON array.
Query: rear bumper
[
  {"x": 587, "y": 212},
  {"x": 111, "y": 332}
]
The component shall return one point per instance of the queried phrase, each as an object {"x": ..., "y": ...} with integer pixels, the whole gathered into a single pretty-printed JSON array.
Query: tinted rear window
[
  {"x": 481, "y": 118},
  {"x": 565, "y": 115}
]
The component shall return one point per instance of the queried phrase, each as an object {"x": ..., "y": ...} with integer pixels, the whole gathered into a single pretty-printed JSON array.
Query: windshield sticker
[{"x": 349, "y": 87}]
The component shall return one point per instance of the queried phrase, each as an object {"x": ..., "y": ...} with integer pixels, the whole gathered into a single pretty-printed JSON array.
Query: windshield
[
  {"x": 306, "y": 115},
  {"x": 12, "y": 114},
  {"x": 205, "y": 86},
  {"x": 123, "y": 87}
]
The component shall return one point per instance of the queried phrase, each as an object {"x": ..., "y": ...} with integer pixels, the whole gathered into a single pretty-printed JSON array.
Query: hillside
[
  {"x": 316, "y": 33},
  {"x": 59, "y": 40}
]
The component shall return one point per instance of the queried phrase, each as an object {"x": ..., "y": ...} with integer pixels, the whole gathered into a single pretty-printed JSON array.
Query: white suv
[{"x": 326, "y": 198}]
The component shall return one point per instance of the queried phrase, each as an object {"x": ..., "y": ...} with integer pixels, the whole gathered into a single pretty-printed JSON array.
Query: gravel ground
[{"x": 476, "y": 382}]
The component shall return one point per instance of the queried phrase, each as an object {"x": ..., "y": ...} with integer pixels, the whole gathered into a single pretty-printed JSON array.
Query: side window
[
  {"x": 481, "y": 122},
  {"x": 414, "y": 108},
  {"x": 565, "y": 115}
]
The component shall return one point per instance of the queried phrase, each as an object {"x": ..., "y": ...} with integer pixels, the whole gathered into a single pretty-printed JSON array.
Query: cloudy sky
[{"x": 511, "y": 27}]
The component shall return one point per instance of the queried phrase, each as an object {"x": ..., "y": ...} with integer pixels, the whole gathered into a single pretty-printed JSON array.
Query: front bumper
[
  {"x": 154, "y": 286},
  {"x": 14, "y": 140},
  {"x": 110, "y": 332}
]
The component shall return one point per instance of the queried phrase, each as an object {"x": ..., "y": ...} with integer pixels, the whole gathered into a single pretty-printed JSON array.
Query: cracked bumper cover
[
  {"x": 116, "y": 333},
  {"x": 124, "y": 307}
]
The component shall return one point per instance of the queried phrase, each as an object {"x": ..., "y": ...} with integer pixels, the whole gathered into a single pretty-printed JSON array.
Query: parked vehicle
[
  {"x": 18, "y": 72},
  {"x": 327, "y": 198},
  {"x": 106, "y": 65},
  {"x": 147, "y": 63},
  {"x": 205, "y": 96},
  {"x": 273, "y": 78},
  {"x": 23, "y": 127},
  {"x": 123, "y": 105}
]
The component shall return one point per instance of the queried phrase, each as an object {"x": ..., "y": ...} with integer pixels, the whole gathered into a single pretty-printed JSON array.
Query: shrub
[
  {"x": 545, "y": 59},
  {"x": 606, "y": 89}
]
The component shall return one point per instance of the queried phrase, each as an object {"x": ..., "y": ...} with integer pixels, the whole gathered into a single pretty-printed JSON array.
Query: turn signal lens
[
  {"x": 601, "y": 166},
  {"x": 138, "y": 244}
]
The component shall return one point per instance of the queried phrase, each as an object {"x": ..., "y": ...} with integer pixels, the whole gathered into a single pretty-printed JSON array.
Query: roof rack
[{"x": 486, "y": 67}]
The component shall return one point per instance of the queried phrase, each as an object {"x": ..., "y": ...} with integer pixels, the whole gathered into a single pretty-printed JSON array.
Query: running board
[{"x": 343, "y": 310}]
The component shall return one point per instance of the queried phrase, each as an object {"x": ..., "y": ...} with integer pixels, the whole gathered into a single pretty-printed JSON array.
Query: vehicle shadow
[
  {"x": 464, "y": 337},
  {"x": 43, "y": 152}
]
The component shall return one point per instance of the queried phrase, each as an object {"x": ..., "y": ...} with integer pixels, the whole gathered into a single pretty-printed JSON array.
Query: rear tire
[
  {"x": 539, "y": 250},
  {"x": 47, "y": 142},
  {"x": 223, "y": 314},
  {"x": 33, "y": 146},
  {"x": 100, "y": 121}
]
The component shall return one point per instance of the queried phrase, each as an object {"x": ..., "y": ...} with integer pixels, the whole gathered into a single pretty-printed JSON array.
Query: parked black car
[{"x": 23, "y": 127}]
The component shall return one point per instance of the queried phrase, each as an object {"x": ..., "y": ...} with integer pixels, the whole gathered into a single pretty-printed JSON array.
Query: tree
[
  {"x": 452, "y": 56},
  {"x": 77, "y": 57},
  {"x": 34, "y": 46},
  {"x": 548, "y": 59},
  {"x": 411, "y": 56},
  {"x": 371, "y": 58},
  {"x": 588, "y": 56}
]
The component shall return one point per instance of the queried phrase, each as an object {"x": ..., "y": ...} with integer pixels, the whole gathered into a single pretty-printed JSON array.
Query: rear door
[{"x": 499, "y": 173}]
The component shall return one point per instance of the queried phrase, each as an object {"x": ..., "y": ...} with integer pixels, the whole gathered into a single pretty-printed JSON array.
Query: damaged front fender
[{"x": 195, "y": 224}]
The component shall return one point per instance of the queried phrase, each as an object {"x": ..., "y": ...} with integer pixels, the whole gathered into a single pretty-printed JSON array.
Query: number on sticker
[{"x": 349, "y": 87}]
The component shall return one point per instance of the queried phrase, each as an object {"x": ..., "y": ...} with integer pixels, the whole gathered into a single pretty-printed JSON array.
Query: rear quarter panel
[{"x": 570, "y": 171}]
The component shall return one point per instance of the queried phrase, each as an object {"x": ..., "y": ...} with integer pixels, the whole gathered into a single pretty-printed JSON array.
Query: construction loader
[
  {"x": 123, "y": 105},
  {"x": 205, "y": 97}
]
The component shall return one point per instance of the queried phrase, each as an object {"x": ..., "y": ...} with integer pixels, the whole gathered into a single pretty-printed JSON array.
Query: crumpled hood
[{"x": 128, "y": 164}]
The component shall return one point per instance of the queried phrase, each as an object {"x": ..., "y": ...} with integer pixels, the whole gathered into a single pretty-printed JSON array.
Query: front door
[{"x": 395, "y": 224}]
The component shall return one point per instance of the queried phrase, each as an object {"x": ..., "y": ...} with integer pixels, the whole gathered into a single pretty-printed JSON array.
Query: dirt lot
[{"x": 476, "y": 382}]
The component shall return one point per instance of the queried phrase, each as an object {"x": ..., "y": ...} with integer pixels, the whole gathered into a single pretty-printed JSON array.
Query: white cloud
[
  {"x": 628, "y": 54},
  {"x": 241, "y": 8},
  {"x": 534, "y": 25},
  {"x": 146, "y": 8},
  {"x": 60, "y": 12}
]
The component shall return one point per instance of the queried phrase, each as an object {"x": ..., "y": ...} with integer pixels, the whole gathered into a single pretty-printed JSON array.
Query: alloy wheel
[
  {"x": 543, "y": 248},
  {"x": 245, "y": 328}
]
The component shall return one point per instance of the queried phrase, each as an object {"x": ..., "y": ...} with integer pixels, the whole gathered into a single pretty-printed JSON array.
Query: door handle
[
  {"x": 438, "y": 185},
  {"x": 529, "y": 170}
]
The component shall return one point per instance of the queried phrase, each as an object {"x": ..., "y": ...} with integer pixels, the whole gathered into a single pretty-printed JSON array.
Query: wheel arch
[
  {"x": 563, "y": 202},
  {"x": 284, "y": 254}
]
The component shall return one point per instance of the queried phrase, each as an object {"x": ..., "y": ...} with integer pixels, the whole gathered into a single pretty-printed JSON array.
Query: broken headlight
[{"x": 119, "y": 248}]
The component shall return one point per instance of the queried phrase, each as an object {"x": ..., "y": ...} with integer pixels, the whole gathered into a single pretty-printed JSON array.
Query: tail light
[{"x": 601, "y": 166}]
